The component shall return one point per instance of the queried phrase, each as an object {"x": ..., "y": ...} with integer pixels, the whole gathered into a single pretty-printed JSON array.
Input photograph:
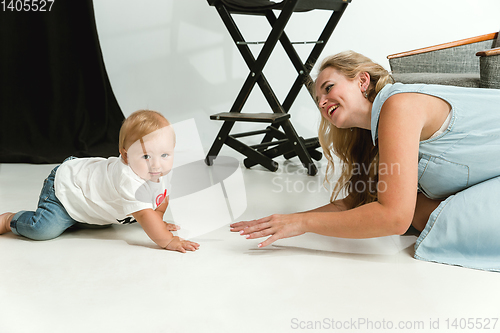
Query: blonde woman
[{"x": 426, "y": 156}]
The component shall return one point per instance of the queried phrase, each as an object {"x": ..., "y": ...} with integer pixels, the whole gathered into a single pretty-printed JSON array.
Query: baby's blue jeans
[{"x": 49, "y": 220}]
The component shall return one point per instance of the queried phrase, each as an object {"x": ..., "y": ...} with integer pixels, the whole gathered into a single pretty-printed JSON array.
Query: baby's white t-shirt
[{"x": 104, "y": 191}]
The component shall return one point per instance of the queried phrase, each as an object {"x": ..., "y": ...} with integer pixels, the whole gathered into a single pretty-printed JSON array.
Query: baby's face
[{"x": 153, "y": 155}]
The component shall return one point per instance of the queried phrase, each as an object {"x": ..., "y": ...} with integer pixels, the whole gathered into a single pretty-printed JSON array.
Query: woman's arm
[
  {"x": 400, "y": 126},
  {"x": 336, "y": 206}
]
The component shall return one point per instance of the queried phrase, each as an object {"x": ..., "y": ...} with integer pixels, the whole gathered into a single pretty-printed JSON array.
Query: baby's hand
[
  {"x": 172, "y": 227},
  {"x": 181, "y": 245}
]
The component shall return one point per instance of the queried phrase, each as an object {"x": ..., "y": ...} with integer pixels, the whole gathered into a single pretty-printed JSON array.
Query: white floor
[{"x": 117, "y": 280}]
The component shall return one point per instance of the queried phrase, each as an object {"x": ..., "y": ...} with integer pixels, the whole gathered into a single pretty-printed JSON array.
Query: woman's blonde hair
[
  {"x": 138, "y": 125},
  {"x": 354, "y": 148}
]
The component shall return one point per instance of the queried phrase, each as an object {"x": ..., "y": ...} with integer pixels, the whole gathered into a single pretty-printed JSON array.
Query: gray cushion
[
  {"x": 490, "y": 71},
  {"x": 451, "y": 79},
  {"x": 460, "y": 59},
  {"x": 497, "y": 41}
]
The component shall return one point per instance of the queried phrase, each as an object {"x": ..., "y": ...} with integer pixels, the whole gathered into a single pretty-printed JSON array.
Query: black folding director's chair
[{"x": 276, "y": 142}]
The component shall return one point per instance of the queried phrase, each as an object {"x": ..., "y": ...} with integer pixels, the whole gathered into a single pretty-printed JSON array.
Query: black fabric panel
[{"x": 55, "y": 96}]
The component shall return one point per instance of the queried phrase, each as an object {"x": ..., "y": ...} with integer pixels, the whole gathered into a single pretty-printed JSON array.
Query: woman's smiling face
[{"x": 341, "y": 99}]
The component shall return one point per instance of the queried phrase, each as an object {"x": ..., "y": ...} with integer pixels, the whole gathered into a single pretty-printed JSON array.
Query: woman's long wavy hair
[{"x": 354, "y": 148}]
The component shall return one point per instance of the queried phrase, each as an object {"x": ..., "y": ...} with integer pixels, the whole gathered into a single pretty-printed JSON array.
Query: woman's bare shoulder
[{"x": 416, "y": 109}]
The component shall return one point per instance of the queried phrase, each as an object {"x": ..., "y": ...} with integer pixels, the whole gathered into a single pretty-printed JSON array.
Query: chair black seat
[{"x": 263, "y": 5}]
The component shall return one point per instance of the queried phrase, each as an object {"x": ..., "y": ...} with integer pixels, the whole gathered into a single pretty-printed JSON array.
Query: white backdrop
[{"x": 175, "y": 56}]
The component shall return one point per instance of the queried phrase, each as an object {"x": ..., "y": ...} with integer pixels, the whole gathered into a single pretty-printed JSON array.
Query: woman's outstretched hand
[{"x": 277, "y": 226}]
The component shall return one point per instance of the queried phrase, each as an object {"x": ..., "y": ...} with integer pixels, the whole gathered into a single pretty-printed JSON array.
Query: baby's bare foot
[{"x": 5, "y": 222}]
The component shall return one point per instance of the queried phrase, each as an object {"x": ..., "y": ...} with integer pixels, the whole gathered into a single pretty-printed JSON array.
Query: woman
[{"x": 432, "y": 152}]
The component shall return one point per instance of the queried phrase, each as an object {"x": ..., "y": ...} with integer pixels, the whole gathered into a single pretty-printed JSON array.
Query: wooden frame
[
  {"x": 487, "y": 53},
  {"x": 449, "y": 45}
]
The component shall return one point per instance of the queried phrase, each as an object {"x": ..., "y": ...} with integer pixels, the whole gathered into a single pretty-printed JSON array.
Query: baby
[{"x": 121, "y": 190}]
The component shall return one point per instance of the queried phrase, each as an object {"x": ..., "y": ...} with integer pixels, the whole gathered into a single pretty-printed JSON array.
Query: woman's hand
[
  {"x": 277, "y": 226},
  {"x": 181, "y": 245}
]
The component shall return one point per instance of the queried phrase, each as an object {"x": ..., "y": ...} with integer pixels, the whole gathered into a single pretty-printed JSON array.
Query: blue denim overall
[{"x": 462, "y": 165}]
